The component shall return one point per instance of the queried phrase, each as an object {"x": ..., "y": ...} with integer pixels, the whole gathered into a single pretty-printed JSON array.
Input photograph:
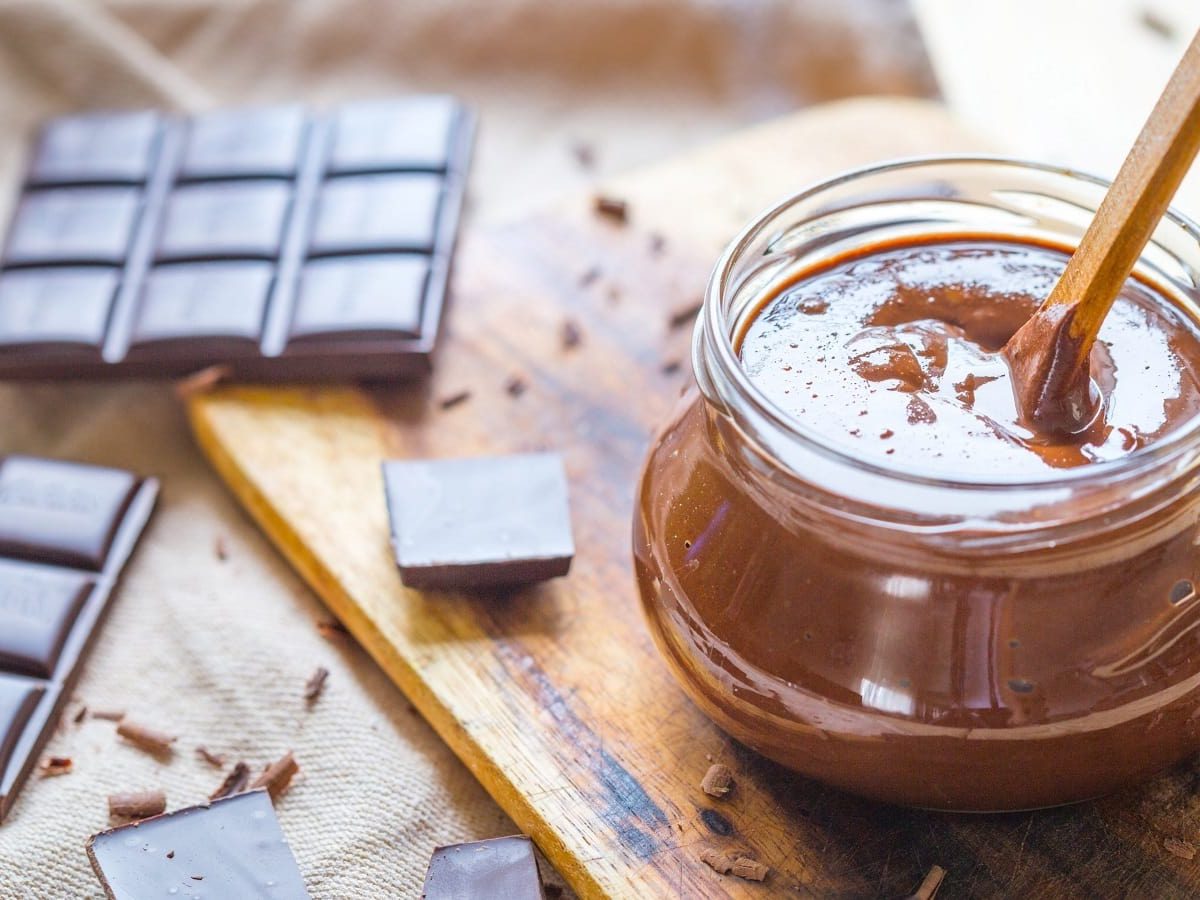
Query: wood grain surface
[{"x": 554, "y": 696}]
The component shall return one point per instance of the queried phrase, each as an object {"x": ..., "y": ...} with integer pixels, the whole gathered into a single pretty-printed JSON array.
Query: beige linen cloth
[{"x": 218, "y": 651}]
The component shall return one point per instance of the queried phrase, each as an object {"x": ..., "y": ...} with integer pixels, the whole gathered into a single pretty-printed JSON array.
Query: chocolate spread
[{"x": 904, "y": 667}]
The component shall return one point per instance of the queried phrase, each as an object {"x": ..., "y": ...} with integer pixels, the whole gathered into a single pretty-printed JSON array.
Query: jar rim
[{"x": 713, "y": 334}]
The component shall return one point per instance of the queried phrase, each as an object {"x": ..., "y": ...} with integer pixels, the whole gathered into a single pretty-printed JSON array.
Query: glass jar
[{"x": 907, "y": 634}]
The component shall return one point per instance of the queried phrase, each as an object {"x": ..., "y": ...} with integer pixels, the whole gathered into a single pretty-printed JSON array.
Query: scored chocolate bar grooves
[
  {"x": 66, "y": 532},
  {"x": 283, "y": 244}
]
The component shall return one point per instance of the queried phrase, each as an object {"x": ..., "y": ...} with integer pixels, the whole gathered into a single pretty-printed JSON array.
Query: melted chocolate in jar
[{"x": 894, "y": 355}]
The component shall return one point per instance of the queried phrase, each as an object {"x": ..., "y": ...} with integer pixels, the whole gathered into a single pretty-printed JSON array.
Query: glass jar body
[{"x": 964, "y": 647}]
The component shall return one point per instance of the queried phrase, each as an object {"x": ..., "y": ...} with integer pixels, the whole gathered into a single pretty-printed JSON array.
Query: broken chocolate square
[
  {"x": 500, "y": 867},
  {"x": 477, "y": 522}
]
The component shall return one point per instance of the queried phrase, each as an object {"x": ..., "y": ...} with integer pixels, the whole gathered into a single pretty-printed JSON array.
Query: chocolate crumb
[
  {"x": 235, "y": 782},
  {"x": 1156, "y": 23},
  {"x": 154, "y": 742},
  {"x": 331, "y": 628},
  {"x": 55, "y": 765},
  {"x": 585, "y": 154},
  {"x": 80, "y": 716},
  {"x": 571, "y": 335},
  {"x": 109, "y": 715},
  {"x": 455, "y": 399},
  {"x": 197, "y": 878},
  {"x": 170, "y": 854},
  {"x": 931, "y": 883},
  {"x": 750, "y": 869},
  {"x": 611, "y": 208},
  {"x": 278, "y": 776},
  {"x": 719, "y": 860},
  {"x": 590, "y": 277},
  {"x": 219, "y": 549},
  {"x": 1182, "y": 849},
  {"x": 671, "y": 366},
  {"x": 658, "y": 244},
  {"x": 213, "y": 759},
  {"x": 685, "y": 315},
  {"x": 137, "y": 804},
  {"x": 515, "y": 386},
  {"x": 315, "y": 684},
  {"x": 718, "y": 781}
]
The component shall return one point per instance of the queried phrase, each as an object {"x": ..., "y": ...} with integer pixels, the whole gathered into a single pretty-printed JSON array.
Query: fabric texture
[{"x": 218, "y": 651}]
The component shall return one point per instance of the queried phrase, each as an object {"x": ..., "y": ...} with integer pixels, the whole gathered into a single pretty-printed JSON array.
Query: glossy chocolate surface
[
  {"x": 232, "y": 849},
  {"x": 278, "y": 242},
  {"x": 903, "y": 656},
  {"x": 66, "y": 531}
]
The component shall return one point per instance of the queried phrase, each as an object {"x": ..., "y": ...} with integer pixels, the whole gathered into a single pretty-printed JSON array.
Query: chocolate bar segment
[
  {"x": 73, "y": 225},
  {"x": 482, "y": 870},
  {"x": 38, "y": 607},
  {"x": 241, "y": 143},
  {"x": 232, "y": 849},
  {"x": 96, "y": 148},
  {"x": 66, "y": 530},
  {"x": 233, "y": 239},
  {"x": 479, "y": 522},
  {"x": 64, "y": 307},
  {"x": 213, "y": 307}
]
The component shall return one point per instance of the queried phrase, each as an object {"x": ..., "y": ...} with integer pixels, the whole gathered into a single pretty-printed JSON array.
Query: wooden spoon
[{"x": 1050, "y": 356}]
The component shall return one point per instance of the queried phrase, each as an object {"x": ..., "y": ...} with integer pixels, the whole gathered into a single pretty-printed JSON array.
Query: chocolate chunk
[
  {"x": 65, "y": 532},
  {"x": 58, "y": 512},
  {"x": 136, "y": 804},
  {"x": 481, "y": 521},
  {"x": 209, "y": 306},
  {"x": 224, "y": 220},
  {"x": 234, "y": 847},
  {"x": 277, "y": 243},
  {"x": 73, "y": 225},
  {"x": 359, "y": 296},
  {"x": 244, "y": 143},
  {"x": 38, "y": 607},
  {"x": 500, "y": 867},
  {"x": 409, "y": 133},
  {"x": 64, "y": 307},
  {"x": 386, "y": 213},
  {"x": 96, "y": 148}
]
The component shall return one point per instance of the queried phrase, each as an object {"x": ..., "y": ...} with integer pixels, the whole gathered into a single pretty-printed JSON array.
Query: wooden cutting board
[{"x": 554, "y": 696}]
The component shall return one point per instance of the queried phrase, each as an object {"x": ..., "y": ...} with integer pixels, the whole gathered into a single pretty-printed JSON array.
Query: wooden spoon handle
[{"x": 1135, "y": 203}]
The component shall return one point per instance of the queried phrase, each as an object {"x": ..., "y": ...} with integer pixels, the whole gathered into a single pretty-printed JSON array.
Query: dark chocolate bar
[
  {"x": 66, "y": 531},
  {"x": 483, "y": 870},
  {"x": 281, "y": 243},
  {"x": 231, "y": 849},
  {"x": 479, "y": 522}
]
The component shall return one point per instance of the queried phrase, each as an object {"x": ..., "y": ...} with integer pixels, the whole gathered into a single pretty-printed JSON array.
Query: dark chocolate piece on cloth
[
  {"x": 229, "y": 849},
  {"x": 479, "y": 521},
  {"x": 66, "y": 532},
  {"x": 281, "y": 243},
  {"x": 504, "y": 867},
  {"x": 96, "y": 148}
]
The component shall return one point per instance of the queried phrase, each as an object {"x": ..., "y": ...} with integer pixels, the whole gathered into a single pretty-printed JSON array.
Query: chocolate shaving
[
  {"x": 235, "y": 782},
  {"x": 80, "y": 716},
  {"x": 1160, "y": 26},
  {"x": 331, "y": 628},
  {"x": 155, "y": 742},
  {"x": 278, "y": 776},
  {"x": 749, "y": 869},
  {"x": 213, "y": 759},
  {"x": 571, "y": 335},
  {"x": 685, "y": 315},
  {"x": 515, "y": 386},
  {"x": 201, "y": 382},
  {"x": 718, "y": 781},
  {"x": 137, "y": 804},
  {"x": 109, "y": 715},
  {"x": 1182, "y": 849},
  {"x": 929, "y": 887},
  {"x": 55, "y": 765},
  {"x": 315, "y": 684},
  {"x": 720, "y": 861},
  {"x": 455, "y": 399},
  {"x": 219, "y": 549},
  {"x": 736, "y": 862},
  {"x": 611, "y": 208}
]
